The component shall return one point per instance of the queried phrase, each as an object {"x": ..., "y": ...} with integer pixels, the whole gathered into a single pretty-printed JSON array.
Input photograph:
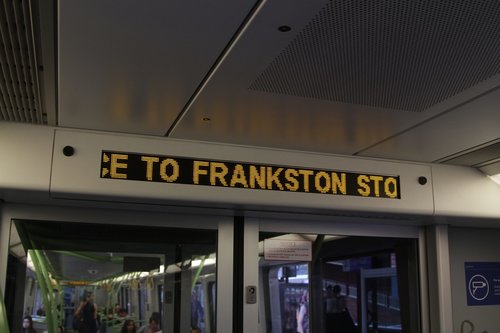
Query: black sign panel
[{"x": 181, "y": 170}]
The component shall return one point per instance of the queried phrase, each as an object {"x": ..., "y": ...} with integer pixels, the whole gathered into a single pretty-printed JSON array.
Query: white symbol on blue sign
[{"x": 479, "y": 287}]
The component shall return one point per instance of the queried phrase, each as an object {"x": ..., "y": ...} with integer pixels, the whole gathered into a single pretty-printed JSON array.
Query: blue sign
[{"x": 482, "y": 281}]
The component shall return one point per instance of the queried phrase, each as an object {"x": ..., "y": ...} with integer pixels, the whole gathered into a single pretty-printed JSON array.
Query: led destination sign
[{"x": 181, "y": 170}]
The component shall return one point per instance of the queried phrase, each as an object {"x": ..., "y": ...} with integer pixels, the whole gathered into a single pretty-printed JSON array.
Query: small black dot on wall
[
  {"x": 422, "y": 180},
  {"x": 68, "y": 151}
]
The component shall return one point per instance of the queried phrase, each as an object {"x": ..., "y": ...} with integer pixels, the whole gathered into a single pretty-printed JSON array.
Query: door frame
[
  {"x": 367, "y": 274},
  {"x": 333, "y": 225},
  {"x": 137, "y": 216}
]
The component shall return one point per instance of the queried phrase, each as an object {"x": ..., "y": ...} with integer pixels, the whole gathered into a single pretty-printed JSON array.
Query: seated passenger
[
  {"x": 152, "y": 327},
  {"x": 129, "y": 327},
  {"x": 28, "y": 325},
  {"x": 122, "y": 313},
  {"x": 41, "y": 311}
]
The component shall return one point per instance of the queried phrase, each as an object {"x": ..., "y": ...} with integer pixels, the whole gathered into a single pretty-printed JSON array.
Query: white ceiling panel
[
  {"x": 131, "y": 66},
  {"x": 348, "y": 75},
  {"x": 465, "y": 127},
  {"x": 413, "y": 80}
]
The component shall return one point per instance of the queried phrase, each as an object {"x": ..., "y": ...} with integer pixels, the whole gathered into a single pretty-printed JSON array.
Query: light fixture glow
[
  {"x": 208, "y": 261},
  {"x": 496, "y": 178},
  {"x": 29, "y": 262}
]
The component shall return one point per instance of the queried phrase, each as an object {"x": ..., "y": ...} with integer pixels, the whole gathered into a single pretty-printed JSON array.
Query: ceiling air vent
[
  {"x": 19, "y": 83},
  {"x": 393, "y": 54}
]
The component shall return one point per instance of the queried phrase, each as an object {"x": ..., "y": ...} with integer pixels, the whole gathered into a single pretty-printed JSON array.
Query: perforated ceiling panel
[
  {"x": 402, "y": 55},
  {"x": 19, "y": 85}
]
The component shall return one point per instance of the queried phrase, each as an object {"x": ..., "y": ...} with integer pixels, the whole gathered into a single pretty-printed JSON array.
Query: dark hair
[
  {"x": 125, "y": 324},
  {"x": 156, "y": 316},
  {"x": 336, "y": 289},
  {"x": 85, "y": 294},
  {"x": 30, "y": 328}
]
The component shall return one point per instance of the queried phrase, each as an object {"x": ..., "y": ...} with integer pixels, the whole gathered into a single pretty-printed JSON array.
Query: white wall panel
[
  {"x": 472, "y": 245},
  {"x": 464, "y": 192},
  {"x": 78, "y": 176},
  {"x": 26, "y": 157}
]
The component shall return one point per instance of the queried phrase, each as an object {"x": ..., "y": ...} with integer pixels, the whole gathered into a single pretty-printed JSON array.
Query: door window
[
  {"x": 349, "y": 284},
  {"x": 155, "y": 276}
]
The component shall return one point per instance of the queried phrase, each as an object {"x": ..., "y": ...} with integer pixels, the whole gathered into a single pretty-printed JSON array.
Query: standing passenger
[
  {"x": 340, "y": 318},
  {"x": 87, "y": 310},
  {"x": 303, "y": 315}
]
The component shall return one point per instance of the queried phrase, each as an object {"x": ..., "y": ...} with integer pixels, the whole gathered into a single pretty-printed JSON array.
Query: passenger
[
  {"x": 122, "y": 313},
  {"x": 156, "y": 316},
  {"x": 28, "y": 325},
  {"x": 338, "y": 318},
  {"x": 197, "y": 312},
  {"x": 290, "y": 318},
  {"x": 41, "y": 311},
  {"x": 129, "y": 327},
  {"x": 60, "y": 316},
  {"x": 303, "y": 314},
  {"x": 87, "y": 312},
  {"x": 152, "y": 327},
  {"x": 330, "y": 309}
]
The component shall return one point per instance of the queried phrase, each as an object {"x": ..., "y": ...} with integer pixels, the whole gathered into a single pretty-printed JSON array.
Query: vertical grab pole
[{"x": 4, "y": 325}]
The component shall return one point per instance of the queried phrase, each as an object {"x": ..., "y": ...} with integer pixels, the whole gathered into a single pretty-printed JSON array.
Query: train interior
[
  {"x": 364, "y": 87},
  {"x": 135, "y": 273},
  {"x": 169, "y": 274}
]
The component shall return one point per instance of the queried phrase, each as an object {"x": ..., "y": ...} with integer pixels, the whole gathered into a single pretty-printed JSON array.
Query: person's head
[
  {"x": 336, "y": 289},
  {"x": 156, "y": 316},
  {"x": 128, "y": 326},
  {"x": 153, "y": 324},
  {"x": 88, "y": 296},
  {"x": 304, "y": 298},
  {"x": 27, "y": 322}
]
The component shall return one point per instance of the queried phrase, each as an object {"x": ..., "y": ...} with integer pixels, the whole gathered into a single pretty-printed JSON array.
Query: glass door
[
  {"x": 324, "y": 283},
  {"x": 88, "y": 276},
  {"x": 380, "y": 304}
]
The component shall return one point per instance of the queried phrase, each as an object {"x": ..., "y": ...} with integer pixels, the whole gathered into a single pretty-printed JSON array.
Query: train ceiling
[{"x": 409, "y": 80}]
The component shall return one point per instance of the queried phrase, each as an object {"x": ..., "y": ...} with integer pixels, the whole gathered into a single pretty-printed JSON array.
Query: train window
[
  {"x": 163, "y": 277},
  {"x": 344, "y": 284}
]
